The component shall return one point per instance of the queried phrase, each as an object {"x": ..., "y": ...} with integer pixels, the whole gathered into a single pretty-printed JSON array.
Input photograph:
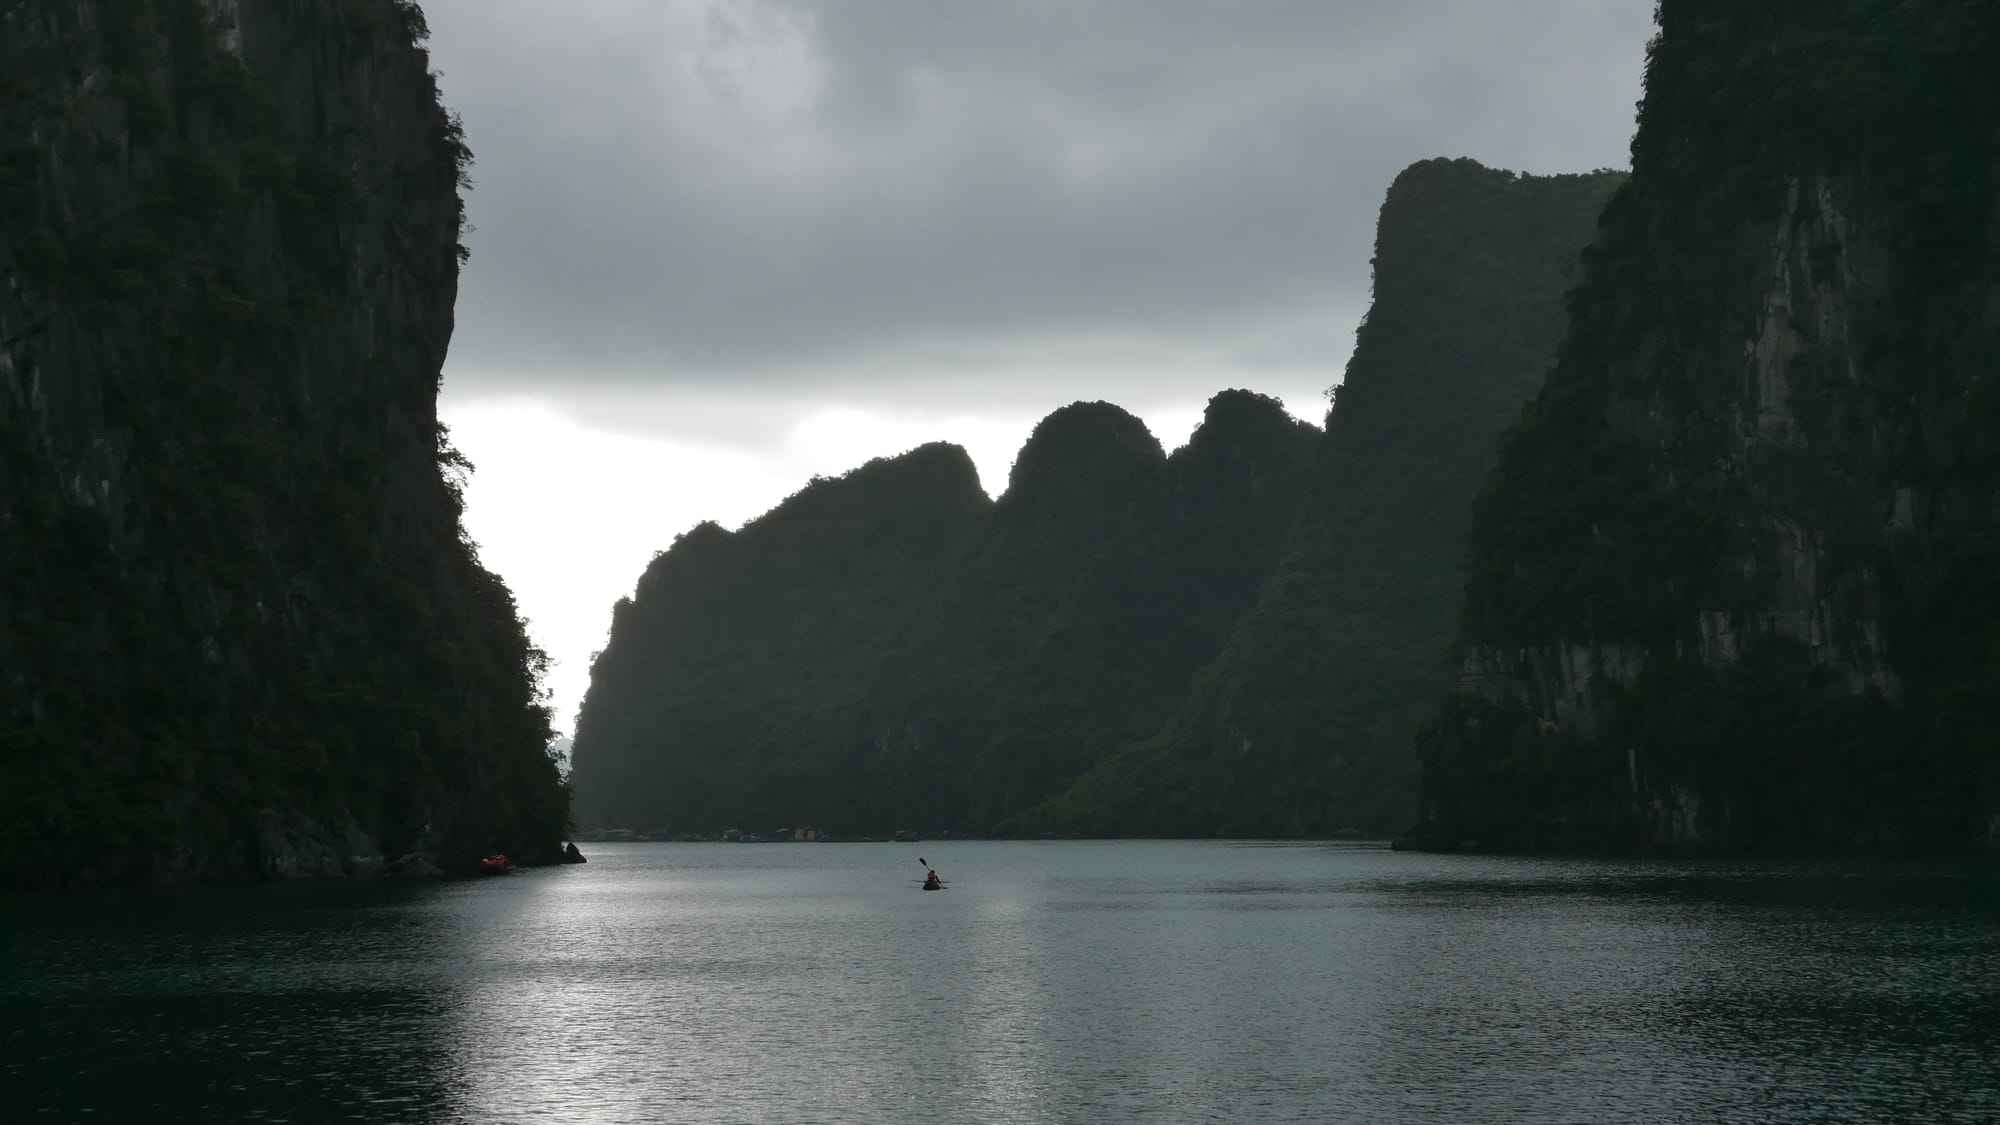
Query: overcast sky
[{"x": 722, "y": 245}]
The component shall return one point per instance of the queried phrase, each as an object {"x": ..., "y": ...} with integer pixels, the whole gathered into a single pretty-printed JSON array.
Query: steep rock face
[
  {"x": 743, "y": 654},
  {"x": 1730, "y": 581},
  {"x": 240, "y": 628},
  {"x": 1301, "y": 725}
]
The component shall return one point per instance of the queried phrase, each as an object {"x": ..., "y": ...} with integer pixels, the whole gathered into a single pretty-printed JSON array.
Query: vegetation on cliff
[
  {"x": 241, "y": 628},
  {"x": 1730, "y": 581},
  {"x": 1301, "y": 726}
]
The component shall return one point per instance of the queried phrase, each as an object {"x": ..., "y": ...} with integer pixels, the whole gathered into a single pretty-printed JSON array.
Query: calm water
[{"x": 1053, "y": 982}]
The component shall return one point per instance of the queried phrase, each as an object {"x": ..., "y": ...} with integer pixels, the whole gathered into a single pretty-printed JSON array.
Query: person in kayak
[{"x": 931, "y": 882}]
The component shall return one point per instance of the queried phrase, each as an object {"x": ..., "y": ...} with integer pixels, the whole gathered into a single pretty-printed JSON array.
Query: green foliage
[
  {"x": 452, "y": 150},
  {"x": 416, "y": 29},
  {"x": 131, "y": 31},
  {"x": 20, "y": 169},
  {"x": 41, "y": 256}
]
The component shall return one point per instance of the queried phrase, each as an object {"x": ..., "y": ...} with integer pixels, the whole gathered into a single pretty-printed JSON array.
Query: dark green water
[{"x": 1058, "y": 982}]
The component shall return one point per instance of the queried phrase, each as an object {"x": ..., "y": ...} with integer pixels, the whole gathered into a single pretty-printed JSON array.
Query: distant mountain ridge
[{"x": 958, "y": 663}]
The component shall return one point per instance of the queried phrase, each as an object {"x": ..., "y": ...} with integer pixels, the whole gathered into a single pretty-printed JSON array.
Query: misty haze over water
[{"x": 1051, "y": 982}]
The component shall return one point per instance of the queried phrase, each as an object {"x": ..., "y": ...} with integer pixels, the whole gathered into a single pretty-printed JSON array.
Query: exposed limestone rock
[{"x": 1740, "y": 551}]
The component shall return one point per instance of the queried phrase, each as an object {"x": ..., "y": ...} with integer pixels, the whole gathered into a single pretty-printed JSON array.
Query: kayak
[{"x": 928, "y": 887}]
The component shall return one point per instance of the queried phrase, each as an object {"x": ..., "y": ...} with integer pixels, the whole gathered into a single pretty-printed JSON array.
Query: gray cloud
[{"x": 980, "y": 198}]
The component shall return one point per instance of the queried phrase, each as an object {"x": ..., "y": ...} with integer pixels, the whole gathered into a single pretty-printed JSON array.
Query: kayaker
[{"x": 931, "y": 881}]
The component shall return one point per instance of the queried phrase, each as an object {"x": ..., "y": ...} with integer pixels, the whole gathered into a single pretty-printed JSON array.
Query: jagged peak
[
  {"x": 1244, "y": 412},
  {"x": 931, "y": 476},
  {"x": 701, "y": 536},
  {"x": 934, "y": 486},
  {"x": 1428, "y": 209},
  {"x": 1087, "y": 440},
  {"x": 1444, "y": 168},
  {"x": 691, "y": 548},
  {"x": 937, "y": 462}
]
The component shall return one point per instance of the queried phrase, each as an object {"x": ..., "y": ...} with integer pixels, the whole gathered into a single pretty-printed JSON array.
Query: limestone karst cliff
[
  {"x": 1731, "y": 582},
  {"x": 241, "y": 629},
  {"x": 1075, "y": 617},
  {"x": 1300, "y": 723}
]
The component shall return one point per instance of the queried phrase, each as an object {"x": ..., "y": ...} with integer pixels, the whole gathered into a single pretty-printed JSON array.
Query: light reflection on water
[{"x": 1054, "y": 982}]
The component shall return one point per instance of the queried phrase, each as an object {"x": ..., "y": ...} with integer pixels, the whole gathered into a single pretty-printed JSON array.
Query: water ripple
[{"x": 1055, "y": 983}]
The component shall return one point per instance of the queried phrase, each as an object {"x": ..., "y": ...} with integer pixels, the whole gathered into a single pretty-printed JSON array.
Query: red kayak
[{"x": 495, "y": 865}]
